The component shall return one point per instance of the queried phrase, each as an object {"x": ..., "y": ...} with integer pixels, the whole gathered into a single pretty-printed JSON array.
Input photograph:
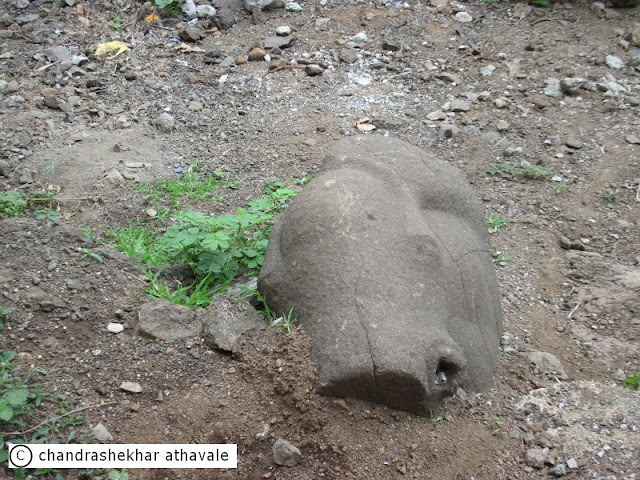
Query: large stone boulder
[{"x": 385, "y": 259}]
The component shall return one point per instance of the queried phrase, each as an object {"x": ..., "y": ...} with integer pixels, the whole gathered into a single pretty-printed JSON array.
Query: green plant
[
  {"x": 89, "y": 234},
  {"x": 540, "y": 3},
  {"x": 227, "y": 246},
  {"x": 193, "y": 185},
  {"x": 501, "y": 168},
  {"x": 88, "y": 253},
  {"x": 433, "y": 417},
  {"x": 21, "y": 403},
  {"x": 540, "y": 171},
  {"x": 4, "y": 311},
  {"x": 113, "y": 23},
  {"x": 196, "y": 295},
  {"x": 169, "y": 7},
  {"x": 48, "y": 214},
  {"x": 559, "y": 188},
  {"x": 139, "y": 241},
  {"x": 495, "y": 223},
  {"x": 12, "y": 203},
  {"x": 632, "y": 383},
  {"x": 610, "y": 194},
  {"x": 285, "y": 321},
  {"x": 500, "y": 257}
]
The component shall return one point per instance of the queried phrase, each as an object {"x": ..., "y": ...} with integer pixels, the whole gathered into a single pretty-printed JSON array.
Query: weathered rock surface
[
  {"x": 384, "y": 258},
  {"x": 167, "y": 321},
  {"x": 227, "y": 321}
]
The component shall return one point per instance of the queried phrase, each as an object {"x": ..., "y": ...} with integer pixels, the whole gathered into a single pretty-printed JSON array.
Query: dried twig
[{"x": 277, "y": 69}]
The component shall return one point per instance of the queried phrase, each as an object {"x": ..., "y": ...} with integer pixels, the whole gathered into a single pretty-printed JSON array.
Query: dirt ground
[{"x": 568, "y": 263}]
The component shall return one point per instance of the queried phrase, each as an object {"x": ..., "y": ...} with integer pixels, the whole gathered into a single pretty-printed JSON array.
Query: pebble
[
  {"x": 313, "y": 70},
  {"x": 283, "y": 31},
  {"x": 449, "y": 130},
  {"x": 256, "y": 54},
  {"x": 348, "y": 55},
  {"x": 292, "y": 7},
  {"x": 437, "y": 115},
  {"x": 75, "y": 284},
  {"x": 572, "y": 463},
  {"x": 191, "y": 34},
  {"x": 195, "y": 106},
  {"x": 632, "y": 139},
  {"x": 285, "y": 453},
  {"x": 536, "y": 457},
  {"x": 13, "y": 101},
  {"x": 449, "y": 77},
  {"x": 559, "y": 470},
  {"x": 463, "y": 17},
  {"x": 553, "y": 88},
  {"x": 501, "y": 103},
  {"x": 458, "y": 105},
  {"x": 360, "y": 37},
  {"x": 487, "y": 71},
  {"x": 165, "y": 123},
  {"x": 101, "y": 433},
  {"x": 614, "y": 62},
  {"x": 502, "y": 125},
  {"x": 573, "y": 143},
  {"x": 115, "y": 327},
  {"x": 571, "y": 85},
  {"x": 131, "y": 387}
]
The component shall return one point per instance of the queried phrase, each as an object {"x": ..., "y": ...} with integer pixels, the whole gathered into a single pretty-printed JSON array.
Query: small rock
[
  {"x": 13, "y": 101},
  {"x": 272, "y": 43},
  {"x": 165, "y": 123},
  {"x": 57, "y": 54},
  {"x": 572, "y": 463},
  {"x": 284, "y": 453},
  {"x": 487, "y": 71},
  {"x": 553, "y": 88},
  {"x": 189, "y": 9},
  {"x": 257, "y": 54},
  {"x": 614, "y": 62},
  {"x": 348, "y": 55},
  {"x": 101, "y": 433},
  {"x": 115, "y": 327},
  {"x": 205, "y": 11},
  {"x": 283, "y": 31},
  {"x": 437, "y": 115},
  {"x": 24, "y": 19},
  {"x": 632, "y": 139},
  {"x": 464, "y": 17},
  {"x": 191, "y": 34},
  {"x": 5, "y": 168},
  {"x": 340, "y": 404},
  {"x": 573, "y": 143},
  {"x": 501, "y": 103},
  {"x": 449, "y": 130},
  {"x": 571, "y": 85},
  {"x": 26, "y": 176},
  {"x": 228, "y": 62},
  {"x": 391, "y": 46},
  {"x": 360, "y": 37},
  {"x": 22, "y": 4},
  {"x": 635, "y": 35},
  {"x": 502, "y": 125},
  {"x": 449, "y": 77},
  {"x": 559, "y": 470},
  {"x": 292, "y": 7},
  {"x": 131, "y": 387},
  {"x": 75, "y": 284},
  {"x": 195, "y": 106},
  {"x": 459, "y": 105},
  {"x": 313, "y": 70},
  {"x": 546, "y": 362},
  {"x": 536, "y": 457}
]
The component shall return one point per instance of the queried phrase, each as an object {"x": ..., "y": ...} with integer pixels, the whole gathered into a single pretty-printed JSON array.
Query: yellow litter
[
  {"x": 107, "y": 47},
  {"x": 151, "y": 18}
]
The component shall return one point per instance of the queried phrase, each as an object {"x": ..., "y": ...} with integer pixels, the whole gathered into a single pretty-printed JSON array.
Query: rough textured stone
[
  {"x": 284, "y": 453},
  {"x": 227, "y": 321},
  {"x": 385, "y": 259},
  {"x": 168, "y": 321}
]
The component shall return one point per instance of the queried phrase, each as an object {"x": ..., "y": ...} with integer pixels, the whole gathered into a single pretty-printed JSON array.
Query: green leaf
[
  {"x": 17, "y": 397},
  {"x": 6, "y": 412}
]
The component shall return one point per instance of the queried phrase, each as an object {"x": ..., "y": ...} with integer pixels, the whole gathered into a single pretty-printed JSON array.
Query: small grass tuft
[{"x": 495, "y": 223}]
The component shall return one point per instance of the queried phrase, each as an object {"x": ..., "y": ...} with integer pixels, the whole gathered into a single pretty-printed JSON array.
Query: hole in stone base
[{"x": 445, "y": 373}]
